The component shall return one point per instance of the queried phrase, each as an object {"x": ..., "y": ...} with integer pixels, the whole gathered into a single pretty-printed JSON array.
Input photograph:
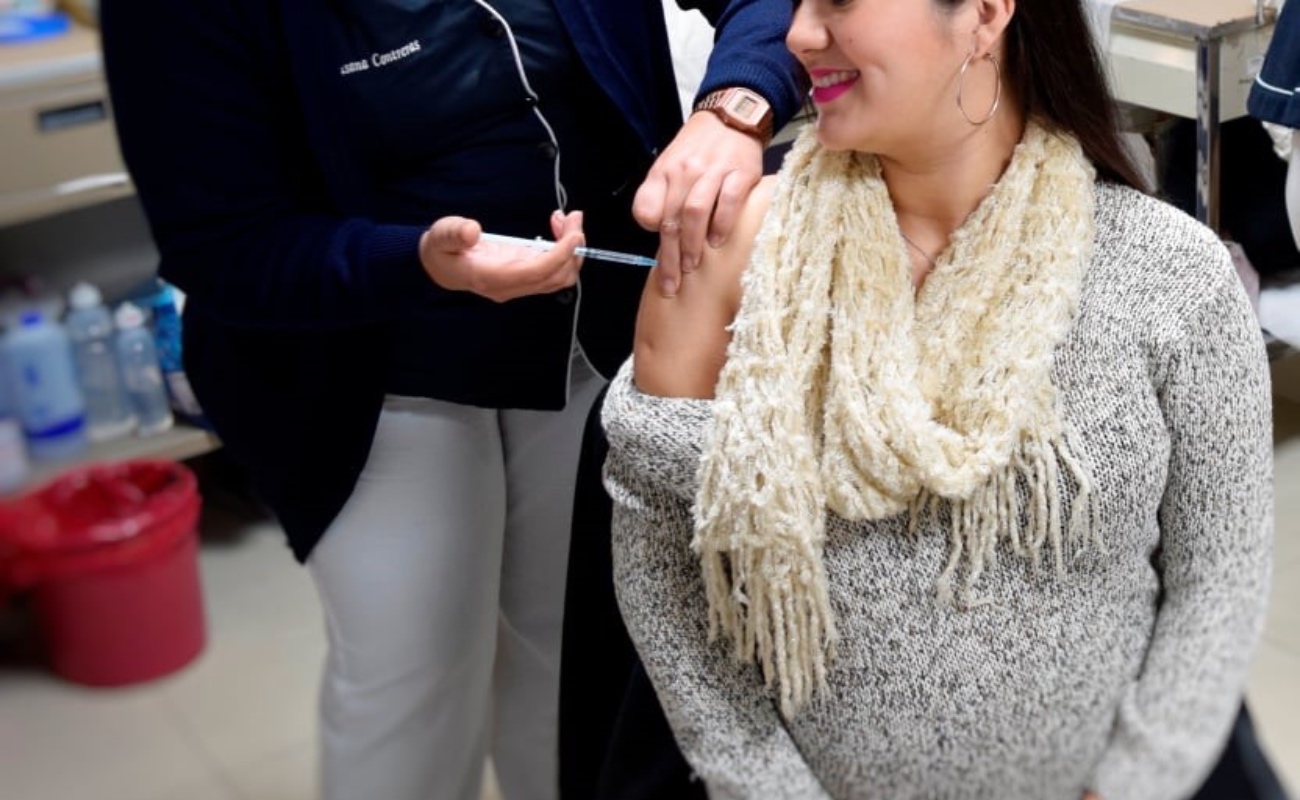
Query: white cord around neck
[{"x": 561, "y": 194}]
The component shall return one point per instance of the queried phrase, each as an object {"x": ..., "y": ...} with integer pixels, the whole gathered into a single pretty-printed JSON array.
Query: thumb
[
  {"x": 455, "y": 234},
  {"x": 573, "y": 223}
]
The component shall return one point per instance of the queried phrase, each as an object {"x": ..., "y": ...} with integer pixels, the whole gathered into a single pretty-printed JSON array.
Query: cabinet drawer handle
[{"x": 58, "y": 119}]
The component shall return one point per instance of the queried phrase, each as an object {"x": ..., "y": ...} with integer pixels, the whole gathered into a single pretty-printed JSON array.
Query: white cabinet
[{"x": 58, "y": 150}]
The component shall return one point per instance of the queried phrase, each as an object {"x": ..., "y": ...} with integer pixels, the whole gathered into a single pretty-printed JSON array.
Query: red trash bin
[{"x": 110, "y": 554}]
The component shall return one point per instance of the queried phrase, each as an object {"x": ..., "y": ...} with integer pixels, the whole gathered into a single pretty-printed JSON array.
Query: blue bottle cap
[
  {"x": 30, "y": 319},
  {"x": 17, "y": 28}
]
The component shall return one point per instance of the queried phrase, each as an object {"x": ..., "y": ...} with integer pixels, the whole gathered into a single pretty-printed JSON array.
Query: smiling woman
[{"x": 923, "y": 487}]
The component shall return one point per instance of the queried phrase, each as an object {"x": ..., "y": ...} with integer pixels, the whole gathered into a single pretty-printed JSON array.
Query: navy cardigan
[{"x": 292, "y": 285}]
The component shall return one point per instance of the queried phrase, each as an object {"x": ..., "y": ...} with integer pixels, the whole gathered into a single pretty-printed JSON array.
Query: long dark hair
[{"x": 1054, "y": 68}]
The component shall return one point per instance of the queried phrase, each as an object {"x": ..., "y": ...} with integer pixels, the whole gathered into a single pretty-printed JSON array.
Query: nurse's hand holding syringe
[
  {"x": 594, "y": 253},
  {"x": 457, "y": 255}
]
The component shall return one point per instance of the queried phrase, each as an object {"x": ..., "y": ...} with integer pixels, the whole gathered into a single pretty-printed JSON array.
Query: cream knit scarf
[{"x": 846, "y": 389}]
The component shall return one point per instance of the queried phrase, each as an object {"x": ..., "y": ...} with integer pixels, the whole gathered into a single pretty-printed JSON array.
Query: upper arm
[
  {"x": 212, "y": 127},
  {"x": 1218, "y": 409},
  {"x": 681, "y": 341},
  {"x": 207, "y": 148}
]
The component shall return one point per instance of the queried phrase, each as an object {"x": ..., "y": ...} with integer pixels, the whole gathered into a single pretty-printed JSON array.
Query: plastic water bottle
[
  {"x": 14, "y": 468},
  {"x": 138, "y": 357},
  {"x": 90, "y": 326},
  {"x": 38, "y": 356}
]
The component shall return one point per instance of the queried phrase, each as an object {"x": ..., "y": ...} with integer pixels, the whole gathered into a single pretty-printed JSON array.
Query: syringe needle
[
  {"x": 618, "y": 258},
  {"x": 583, "y": 251}
]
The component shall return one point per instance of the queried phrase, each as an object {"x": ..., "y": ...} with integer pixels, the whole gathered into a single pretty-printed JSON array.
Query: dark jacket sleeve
[
  {"x": 749, "y": 50},
  {"x": 211, "y": 131}
]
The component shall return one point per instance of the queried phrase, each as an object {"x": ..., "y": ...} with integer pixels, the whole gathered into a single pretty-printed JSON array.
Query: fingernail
[
  {"x": 689, "y": 263},
  {"x": 716, "y": 241},
  {"x": 669, "y": 287}
]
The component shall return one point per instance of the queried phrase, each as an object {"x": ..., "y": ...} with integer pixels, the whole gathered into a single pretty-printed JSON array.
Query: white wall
[{"x": 691, "y": 38}]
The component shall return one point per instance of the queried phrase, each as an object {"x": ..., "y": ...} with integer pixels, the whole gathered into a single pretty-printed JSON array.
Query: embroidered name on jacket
[{"x": 381, "y": 59}]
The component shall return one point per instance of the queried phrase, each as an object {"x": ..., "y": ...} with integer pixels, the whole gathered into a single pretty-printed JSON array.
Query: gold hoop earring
[{"x": 997, "y": 94}]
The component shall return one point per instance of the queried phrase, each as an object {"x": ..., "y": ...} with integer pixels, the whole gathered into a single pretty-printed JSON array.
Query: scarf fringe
[
  {"x": 1046, "y": 470},
  {"x": 778, "y": 614}
]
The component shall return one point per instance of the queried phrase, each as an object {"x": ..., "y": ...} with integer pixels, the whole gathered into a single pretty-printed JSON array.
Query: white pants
[{"x": 442, "y": 582}]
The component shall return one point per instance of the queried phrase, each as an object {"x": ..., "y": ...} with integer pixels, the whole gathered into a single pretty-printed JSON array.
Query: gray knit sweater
[{"x": 1122, "y": 675}]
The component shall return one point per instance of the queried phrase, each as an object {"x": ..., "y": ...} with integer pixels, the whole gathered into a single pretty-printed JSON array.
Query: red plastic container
[{"x": 110, "y": 554}]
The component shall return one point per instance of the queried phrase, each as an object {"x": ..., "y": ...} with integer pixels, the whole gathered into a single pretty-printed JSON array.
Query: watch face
[{"x": 746, "y": 107}]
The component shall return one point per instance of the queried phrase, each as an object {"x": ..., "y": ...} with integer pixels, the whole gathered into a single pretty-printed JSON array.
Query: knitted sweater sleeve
[
  {"x": 1214, "y": 557},
  {"x": 722, "y": 716}
]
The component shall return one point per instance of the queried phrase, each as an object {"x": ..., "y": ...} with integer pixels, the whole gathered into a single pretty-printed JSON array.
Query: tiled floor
[
  {"x": 238, "y": 723},
  {"x": 235, "y": 725}
]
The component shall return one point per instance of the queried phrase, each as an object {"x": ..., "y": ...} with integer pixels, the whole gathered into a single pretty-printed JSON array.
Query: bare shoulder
[{"x": 681, "y": 341}]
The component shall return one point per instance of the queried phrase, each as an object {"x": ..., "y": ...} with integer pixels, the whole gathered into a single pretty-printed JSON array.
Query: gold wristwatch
[{"x": 742, "y": 109}]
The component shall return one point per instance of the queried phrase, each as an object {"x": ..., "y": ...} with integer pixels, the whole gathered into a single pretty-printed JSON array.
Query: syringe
[{"x": 585, "y": 252}]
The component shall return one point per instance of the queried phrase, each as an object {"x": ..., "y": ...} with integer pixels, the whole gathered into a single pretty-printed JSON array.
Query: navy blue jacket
[
  {"x": 299, "y": 281},
  {"x": 1273, "y": 94}
]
